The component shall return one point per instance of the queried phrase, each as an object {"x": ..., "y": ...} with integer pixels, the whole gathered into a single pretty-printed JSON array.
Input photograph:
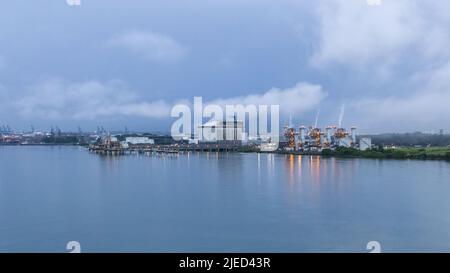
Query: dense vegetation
[
  {"x": 398, "y": 153},
  {"x": 62, "y": 140},
  {"x": 410, "y": 139}
]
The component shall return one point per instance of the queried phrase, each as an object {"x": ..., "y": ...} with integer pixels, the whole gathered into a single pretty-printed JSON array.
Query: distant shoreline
[{"x": 43, "y": 144}]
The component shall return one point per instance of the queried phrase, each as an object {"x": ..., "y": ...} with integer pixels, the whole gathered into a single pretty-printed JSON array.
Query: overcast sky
[{"x": 117, "y": 63}]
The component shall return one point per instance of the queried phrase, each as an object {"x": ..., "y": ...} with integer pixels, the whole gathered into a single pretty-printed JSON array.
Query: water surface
[{"x": 227, "y": 202}]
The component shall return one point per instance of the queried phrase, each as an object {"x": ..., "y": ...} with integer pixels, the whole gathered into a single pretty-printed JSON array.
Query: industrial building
[
  {"x": 365, "y": 143},
  {"x": 314, "y": 139},
  {"x": 214, "y": 131},
  {"x": 139, "y": 140}
]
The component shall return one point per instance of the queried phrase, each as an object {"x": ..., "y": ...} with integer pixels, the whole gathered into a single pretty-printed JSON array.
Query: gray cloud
[
  {"x": 58, "y": 99},
  {"x": 2, "y": 62},
  {"x": 151, "y": 46},
  {"x": 4, "y": 96},
  {"x": 377, "y": 40},
  {"x": 426, "y": 107},
  {"x": 354, "y": 33}
]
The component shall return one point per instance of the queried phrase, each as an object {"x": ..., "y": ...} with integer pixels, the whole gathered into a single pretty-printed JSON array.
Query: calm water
[{"x": 219, "y": 202}]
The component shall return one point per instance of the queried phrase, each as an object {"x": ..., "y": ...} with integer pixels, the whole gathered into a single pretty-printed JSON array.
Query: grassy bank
[{"x": 436, "y": 153}]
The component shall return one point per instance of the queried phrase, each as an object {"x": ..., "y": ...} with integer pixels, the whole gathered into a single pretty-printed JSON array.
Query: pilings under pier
[{"x": 103, "y": 151}]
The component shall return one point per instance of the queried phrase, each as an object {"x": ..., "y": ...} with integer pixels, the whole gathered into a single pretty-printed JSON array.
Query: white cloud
[
  {"x": 63, "y": 100},
  {"x": 301, "y": 98},
  {"x": 151, "y": 46},
  {"x": 352, "y": 32},
  {"x": 58, "y": 99},
  {"x": 407, "y": 39},
  {"x": 425, "y": 108}
]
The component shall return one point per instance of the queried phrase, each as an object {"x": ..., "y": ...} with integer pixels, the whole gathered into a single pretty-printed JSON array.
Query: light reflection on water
[{"x": 219, "y": 202}]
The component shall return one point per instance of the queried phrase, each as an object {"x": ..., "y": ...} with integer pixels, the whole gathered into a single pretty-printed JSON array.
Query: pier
[{"x": 162, "y": 149}]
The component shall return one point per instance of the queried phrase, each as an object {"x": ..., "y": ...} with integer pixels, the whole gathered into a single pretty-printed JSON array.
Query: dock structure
[
  {"x": 107, "y": 150},
  {"x": 111, "y": 145},
  {"x": 162, "y": 149}
]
